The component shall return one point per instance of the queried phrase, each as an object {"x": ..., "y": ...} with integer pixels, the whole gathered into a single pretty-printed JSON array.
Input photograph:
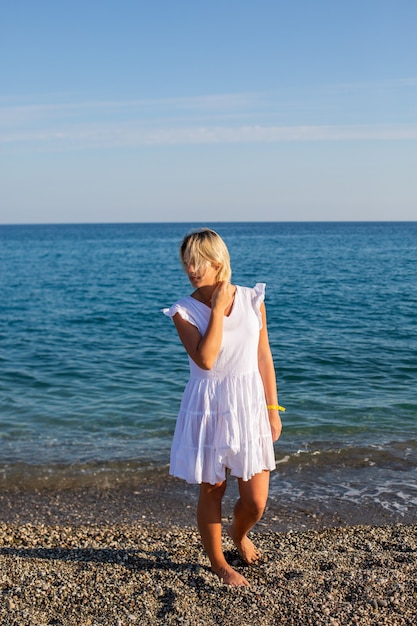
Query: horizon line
[{"x": 166, "y": 222}]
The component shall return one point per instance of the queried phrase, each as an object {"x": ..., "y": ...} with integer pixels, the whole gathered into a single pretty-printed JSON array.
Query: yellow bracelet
[{"x": 276, "y": 407}]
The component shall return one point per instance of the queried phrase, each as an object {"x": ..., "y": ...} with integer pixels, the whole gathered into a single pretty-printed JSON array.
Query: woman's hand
[
  {"x": 222, "y": 297},
  {"x": 275, "y": 423}
]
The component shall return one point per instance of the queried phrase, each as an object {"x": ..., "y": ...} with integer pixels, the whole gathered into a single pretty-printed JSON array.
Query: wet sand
[{"x": 165, "y": 501}]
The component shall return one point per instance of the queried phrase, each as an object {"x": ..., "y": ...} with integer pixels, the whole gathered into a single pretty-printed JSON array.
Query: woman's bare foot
[
  {"x": 247, "y": 550},
  {"x": 230, "y": 576}
]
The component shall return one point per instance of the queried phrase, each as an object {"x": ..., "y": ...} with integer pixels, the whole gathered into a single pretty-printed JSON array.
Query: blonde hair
[{"x": 205, "y": 245}]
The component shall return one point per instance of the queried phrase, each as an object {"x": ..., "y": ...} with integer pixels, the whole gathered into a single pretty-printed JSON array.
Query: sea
[{"x": 92, "y": 373}]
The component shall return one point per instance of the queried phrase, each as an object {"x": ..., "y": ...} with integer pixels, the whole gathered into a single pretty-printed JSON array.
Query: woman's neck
[{"x": 205, "y": 293}]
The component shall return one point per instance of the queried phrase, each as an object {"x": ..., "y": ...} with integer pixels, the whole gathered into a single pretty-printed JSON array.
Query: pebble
[{"x": 124, "y": 574}]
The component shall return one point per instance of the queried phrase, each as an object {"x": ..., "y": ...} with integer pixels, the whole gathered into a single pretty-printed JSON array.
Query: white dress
[{"x": 223, "y": 420}]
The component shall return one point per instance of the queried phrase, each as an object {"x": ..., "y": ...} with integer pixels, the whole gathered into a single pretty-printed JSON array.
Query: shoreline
[{"x": 166, "y": 501}]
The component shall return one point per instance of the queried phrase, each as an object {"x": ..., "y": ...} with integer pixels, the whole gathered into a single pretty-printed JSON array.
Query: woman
[{"x": 229, "y": 414}]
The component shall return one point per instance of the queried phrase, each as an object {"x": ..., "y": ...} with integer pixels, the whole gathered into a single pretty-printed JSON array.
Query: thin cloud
[
  {"x": 391, "y": 84},
  {"x": 29, "y": 113},
  {"x": 91, "y": 137},
  {"x": 292, "y": 116},
  {"x": 253, "y": 105}
]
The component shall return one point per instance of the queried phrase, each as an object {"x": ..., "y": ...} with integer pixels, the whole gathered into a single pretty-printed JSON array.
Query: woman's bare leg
[
  {"x": 248, "y": 511},
  {"x": 209, "y": 516}
]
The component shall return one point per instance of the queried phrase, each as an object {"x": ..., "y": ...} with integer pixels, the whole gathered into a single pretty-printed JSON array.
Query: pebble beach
[{"x": 93, "y": 558}]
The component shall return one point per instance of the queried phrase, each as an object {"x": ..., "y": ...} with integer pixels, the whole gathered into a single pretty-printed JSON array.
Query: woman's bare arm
[
  {"x": 267, "y": 371},
  {"x": 204, "y": 349}
]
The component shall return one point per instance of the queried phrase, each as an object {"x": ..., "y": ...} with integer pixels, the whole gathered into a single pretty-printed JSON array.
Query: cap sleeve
[
  {"x": 257, "y": 299},
  {"x": 182, "y": 310}
]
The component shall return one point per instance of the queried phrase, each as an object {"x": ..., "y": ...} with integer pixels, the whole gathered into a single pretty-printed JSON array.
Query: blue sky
[{"x": 208, "y": 111}]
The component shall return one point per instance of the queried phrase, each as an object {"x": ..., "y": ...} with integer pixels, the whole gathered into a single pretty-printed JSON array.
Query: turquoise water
[{"x": 91, "y": 373}]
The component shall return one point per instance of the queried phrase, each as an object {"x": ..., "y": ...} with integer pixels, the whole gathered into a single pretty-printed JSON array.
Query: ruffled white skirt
[{"x": 222, "y": 424}]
